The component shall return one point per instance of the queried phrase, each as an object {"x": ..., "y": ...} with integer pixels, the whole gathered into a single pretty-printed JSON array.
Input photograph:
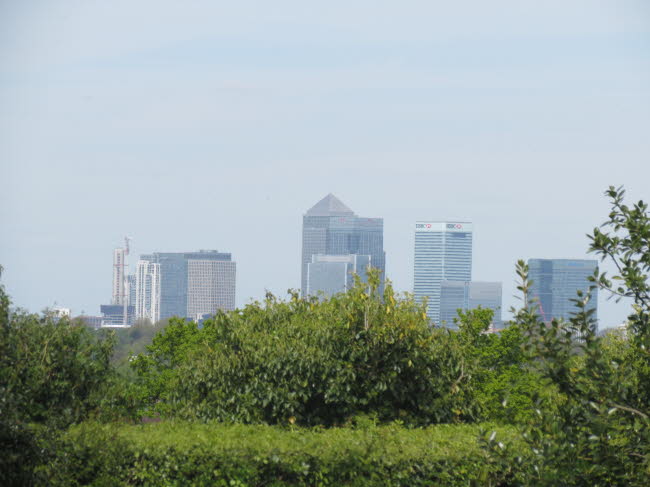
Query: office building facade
[
  {"x": 467, "y": 295},
  {"x": 331, "y": 274},
  {"x": 194, "y": 283},
  {"x": 555, "y": 282},
  {"x": 147, "y": 291},
  {"x": 119, "y": 291},
  {"x": 131, "y": 286},
  {"x": 210, "y": 286},
  {"x": 113, "y": 315},
  {"x": 443, "y": 252},
  {"x": 331, "y": 228}
]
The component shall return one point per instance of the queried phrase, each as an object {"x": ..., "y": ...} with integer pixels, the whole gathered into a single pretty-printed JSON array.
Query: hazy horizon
[{"x": 202, "y": 125}]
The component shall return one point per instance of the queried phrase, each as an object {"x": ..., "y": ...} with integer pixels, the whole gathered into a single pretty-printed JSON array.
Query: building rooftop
[{"x": 330, "y": 206}]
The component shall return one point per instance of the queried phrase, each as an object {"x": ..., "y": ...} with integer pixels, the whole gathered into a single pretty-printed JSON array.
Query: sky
[{"x": 216, "y": 125}]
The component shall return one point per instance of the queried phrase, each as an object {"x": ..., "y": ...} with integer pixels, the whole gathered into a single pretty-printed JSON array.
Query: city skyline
[
  {"x": 443, "y": 271},
  {"x": 457, "y": 276},
  {"x": 215, "y": 125}
]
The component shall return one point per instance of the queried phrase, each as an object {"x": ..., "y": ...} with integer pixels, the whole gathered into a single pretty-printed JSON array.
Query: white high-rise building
[
  {"x": 443, "y": 252},
  {"x": 119, "y": 295},
  {"x": 147, "y": 291}
]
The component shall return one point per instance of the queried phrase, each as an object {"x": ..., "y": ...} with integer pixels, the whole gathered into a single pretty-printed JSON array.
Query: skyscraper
[
  {"x": 332, "y": 274},
  {"x": 331, "y": 228},
  {"x": 194, "y": 283},
  {"x": 147, "y": 291},
  {"x": 210, "y": 286},
  {"x": 468, "y": 295},
  {"x": 556, "y": 281},
  {"x": 121, "y": 287},
  {"x": 119, "y": 294},
  {"x": 131, "y": 285},
  {"x": 443, "y": 252}
]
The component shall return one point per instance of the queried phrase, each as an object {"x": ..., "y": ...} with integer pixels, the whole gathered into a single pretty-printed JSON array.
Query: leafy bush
[
  {"x": 506, "y": 382},
  {"x": 311, "y": 362},
  {"x": 599, "y": 434},
  {"x": 239, "y": 455},
  {"x": 133, "y": 341},
  {"x": 52, "y": 374}
]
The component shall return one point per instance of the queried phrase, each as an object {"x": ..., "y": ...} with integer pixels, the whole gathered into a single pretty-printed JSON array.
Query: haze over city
[{"x": 217, "y": 126}]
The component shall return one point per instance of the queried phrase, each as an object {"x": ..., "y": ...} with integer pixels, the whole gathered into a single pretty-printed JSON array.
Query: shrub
[
  {"x": 599, "y": 434},
  {"x": 506, "y": 381},
  {"x": 52, "y": 374},
  {"x": 311, "y": 362},
  {"x": 243, "y": 455}
]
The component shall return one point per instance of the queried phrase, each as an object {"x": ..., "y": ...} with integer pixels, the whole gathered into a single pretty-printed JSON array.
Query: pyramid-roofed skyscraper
[
  {"x": 331, "y": 228},
  {"x": 330, "y": 206}
]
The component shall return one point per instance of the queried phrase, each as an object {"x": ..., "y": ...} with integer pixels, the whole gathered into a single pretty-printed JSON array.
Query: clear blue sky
[{"x": 207, "y": 124}]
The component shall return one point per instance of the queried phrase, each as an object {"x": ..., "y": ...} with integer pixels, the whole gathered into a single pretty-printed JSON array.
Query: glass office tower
[
  {"x": 443, "y": 252},
  {"x": 332, "y": 274},
  {"x": 468, "y": 295},
  {"x": 556, "y": 281},
  {"x": 331, "y": 228},
  {"x": 194, "y": 283},
  {"x": 210, "y": 286}
]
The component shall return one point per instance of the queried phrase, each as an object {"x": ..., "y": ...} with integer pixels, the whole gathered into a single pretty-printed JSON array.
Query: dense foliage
[
  {"x": 311, "y": 362},
  {"x": 238, "y": 455},
  {"x": 505, "y": 378},
  {"x": 599, "y": 433},
  {"x": 133, "y": 341},
  {"x": 52, "y": 374}
]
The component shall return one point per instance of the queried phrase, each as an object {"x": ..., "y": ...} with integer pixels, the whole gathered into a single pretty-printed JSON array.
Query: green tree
[
  {"x": 52, "y": 374},
  {"x": 311, "y": 362},
  {"x": 506, "y": 383},
  {"x": 599, "y": 434}
]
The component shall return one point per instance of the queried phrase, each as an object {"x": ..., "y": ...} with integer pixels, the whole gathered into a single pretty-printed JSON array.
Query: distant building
[
  {"x": 193, "y": 283},
  {"x": 331, "y": 228},
  {"x": 113, "y": 315},
  {"x": 119, "y": 295},
  {"x": 91, "y": 321},
  {"x": 200, "y": 319},
  {"x": 210, "y": 286},
  {"x": 60, "y": 312},
  {"x": 555, "y": 282},
  {"x": 147, "y": 291},
  {"x": 332, "y": 274},
  {"x": 131, "y": 286},
  {"x": 57, "y": 312},
  {"x": 468, "y": 295},
  {"x": 443, "y": 252}
]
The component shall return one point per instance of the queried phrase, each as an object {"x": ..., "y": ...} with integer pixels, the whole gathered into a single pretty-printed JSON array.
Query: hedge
[{"x": 175, "y": 454}]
